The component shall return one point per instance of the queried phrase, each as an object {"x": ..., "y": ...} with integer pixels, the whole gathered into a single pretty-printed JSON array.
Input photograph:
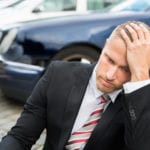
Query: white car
[
  {"x": 7, "y": 3},
  {"x": 26, "y": 10}
]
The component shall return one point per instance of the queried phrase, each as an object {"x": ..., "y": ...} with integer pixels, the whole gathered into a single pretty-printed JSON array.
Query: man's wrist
[
  {"x": 140, "y": 76},
  {"x": 133, "y": 86}
]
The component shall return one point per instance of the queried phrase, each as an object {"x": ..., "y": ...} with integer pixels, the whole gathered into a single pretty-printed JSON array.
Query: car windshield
[
  {"x": 9, "y": 3},
  {"x": 129, "y": 5},
  {"x": 60, "y": 5},
  {"x": 49, "y": 5},
  {"x": 16, "y": 3}
]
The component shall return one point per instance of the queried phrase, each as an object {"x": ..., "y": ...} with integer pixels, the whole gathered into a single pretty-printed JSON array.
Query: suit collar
[{"x": 81, "y": 77}]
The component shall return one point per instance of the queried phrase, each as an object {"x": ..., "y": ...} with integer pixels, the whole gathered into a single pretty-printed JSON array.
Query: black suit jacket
[{"x": 54, "y": 105}]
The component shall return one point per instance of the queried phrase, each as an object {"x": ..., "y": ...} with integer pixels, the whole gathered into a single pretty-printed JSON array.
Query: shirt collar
[{"x": 97, "y": 92}]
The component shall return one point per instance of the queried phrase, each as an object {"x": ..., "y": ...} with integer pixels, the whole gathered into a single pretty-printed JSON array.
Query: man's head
[
  {"x": 112, "y": 68},
  {"x": 116, "y": 31}
]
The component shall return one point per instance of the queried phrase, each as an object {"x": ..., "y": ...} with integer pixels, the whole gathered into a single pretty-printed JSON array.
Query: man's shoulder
[{"x": 64, "y": 67}]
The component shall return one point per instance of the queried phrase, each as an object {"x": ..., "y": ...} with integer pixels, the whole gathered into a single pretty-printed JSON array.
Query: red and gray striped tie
[{"x": 79, "y": 138}]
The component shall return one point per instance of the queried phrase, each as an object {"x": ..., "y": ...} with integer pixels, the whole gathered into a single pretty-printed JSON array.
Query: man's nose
[{"x": 111, "y": 73}]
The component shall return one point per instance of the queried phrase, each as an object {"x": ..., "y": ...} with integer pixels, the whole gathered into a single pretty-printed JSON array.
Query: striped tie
[{"x": 79, "y": 138}]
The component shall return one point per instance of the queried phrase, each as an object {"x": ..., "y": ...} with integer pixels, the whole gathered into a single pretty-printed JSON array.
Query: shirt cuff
[{"x": 133, "y": 86}]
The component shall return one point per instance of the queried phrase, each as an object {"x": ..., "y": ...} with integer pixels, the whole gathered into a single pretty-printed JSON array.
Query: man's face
[{"x": 112, "y": 69}]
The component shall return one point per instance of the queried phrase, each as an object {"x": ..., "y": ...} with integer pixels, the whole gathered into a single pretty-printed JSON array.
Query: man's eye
[
  {"x": 126, "y": 70},
  {"x": 111, "y": 61}
]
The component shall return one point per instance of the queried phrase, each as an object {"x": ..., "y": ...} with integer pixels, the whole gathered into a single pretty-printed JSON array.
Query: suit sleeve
[
  {"x": 32, "y": 120},
  {"x": 137, "y": 122}
]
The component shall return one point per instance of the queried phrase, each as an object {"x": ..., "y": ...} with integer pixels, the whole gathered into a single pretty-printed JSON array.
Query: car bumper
[{"x": 17, "y": 80}]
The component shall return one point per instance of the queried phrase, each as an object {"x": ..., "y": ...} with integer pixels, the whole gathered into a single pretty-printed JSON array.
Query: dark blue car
[
  {"x": 64, "y": 38},
  {"x": 71, "y": 38}
]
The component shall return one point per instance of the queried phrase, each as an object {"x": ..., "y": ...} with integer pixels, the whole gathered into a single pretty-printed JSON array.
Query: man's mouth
[{"x": 106, "y": 83}]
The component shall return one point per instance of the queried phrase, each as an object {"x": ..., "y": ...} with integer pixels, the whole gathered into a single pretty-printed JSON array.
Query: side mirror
[{"x": 37, "y": 10}]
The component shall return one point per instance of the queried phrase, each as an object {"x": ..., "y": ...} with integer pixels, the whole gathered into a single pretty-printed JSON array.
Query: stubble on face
[{"x": 103, "y": 84}]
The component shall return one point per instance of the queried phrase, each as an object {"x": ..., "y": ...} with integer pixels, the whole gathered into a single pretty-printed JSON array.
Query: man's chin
[{"x": 105, "y": 89}]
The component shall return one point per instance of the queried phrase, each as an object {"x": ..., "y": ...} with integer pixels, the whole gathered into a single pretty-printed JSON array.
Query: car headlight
[{"x": 7, "y": 40}]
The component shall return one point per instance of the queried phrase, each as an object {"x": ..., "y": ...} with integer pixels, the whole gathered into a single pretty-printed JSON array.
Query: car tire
[{"x": 83, "y": 54}]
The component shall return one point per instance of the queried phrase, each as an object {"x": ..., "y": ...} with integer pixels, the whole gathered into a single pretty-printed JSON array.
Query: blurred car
[
  {"x": 129, "y": 5},
  {"x": 68, "y": 38},
  {"x": 25, "y": 10},
  {"x": 8, "y": 3},
  {"x": 20, "y": 80}
]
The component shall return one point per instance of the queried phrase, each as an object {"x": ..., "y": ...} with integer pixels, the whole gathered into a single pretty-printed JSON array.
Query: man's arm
[
  {"x": 137, "y": 110},
  {"x": 138, "y": 51},
  {"x": 137, "y": 103},
  {"x": 32, "y": 120}
]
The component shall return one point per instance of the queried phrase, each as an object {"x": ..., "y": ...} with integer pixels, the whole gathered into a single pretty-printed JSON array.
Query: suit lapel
[
  {"x": 73, "y": 105},
  {"x": 106, "y": 119}
]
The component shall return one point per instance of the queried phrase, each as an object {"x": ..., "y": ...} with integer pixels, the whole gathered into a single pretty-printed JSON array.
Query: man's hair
[{"x": 116, "y": 31}]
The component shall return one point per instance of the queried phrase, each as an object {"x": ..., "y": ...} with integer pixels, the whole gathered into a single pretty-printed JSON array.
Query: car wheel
[{"x": 83, "y": 54}]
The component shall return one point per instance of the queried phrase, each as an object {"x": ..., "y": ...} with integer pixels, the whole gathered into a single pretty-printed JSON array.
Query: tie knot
[{"x": 105, "y": 98}]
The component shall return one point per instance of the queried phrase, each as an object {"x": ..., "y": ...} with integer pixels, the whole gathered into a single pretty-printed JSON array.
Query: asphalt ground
[{"x": 10, "y": 110}]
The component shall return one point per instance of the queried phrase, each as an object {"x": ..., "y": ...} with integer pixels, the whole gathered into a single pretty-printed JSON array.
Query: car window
[
  {"x": 139, "y": 5},
  {"x": 130, "y": 5},
  {"x": 95, "y": 4},
  {"x": 58, "y": 5},
  {"x": 16, "y": 3},
  {"x": 100, "y": 4},
  {"x": 64, "y": 5},
  {"x": 8, "y": 3}
]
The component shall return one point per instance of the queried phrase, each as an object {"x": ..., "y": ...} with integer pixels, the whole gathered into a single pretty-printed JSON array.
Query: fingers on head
[{"x": 135, "y": 31}]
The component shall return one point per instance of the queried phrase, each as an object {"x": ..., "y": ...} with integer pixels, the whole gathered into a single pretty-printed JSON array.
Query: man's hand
[{"x": 138, "y": 50}]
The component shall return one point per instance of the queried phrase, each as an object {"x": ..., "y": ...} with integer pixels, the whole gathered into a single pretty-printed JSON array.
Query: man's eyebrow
[
  {"x": 121, "y": 66},
  {"x": 109, "y": 57}
]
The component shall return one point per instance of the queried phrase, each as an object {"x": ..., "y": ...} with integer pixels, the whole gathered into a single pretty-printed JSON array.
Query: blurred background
[{"x": 35, "y": 32}]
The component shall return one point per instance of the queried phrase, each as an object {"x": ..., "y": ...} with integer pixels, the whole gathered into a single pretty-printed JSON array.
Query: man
[{"x": 67, "y": 94}]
